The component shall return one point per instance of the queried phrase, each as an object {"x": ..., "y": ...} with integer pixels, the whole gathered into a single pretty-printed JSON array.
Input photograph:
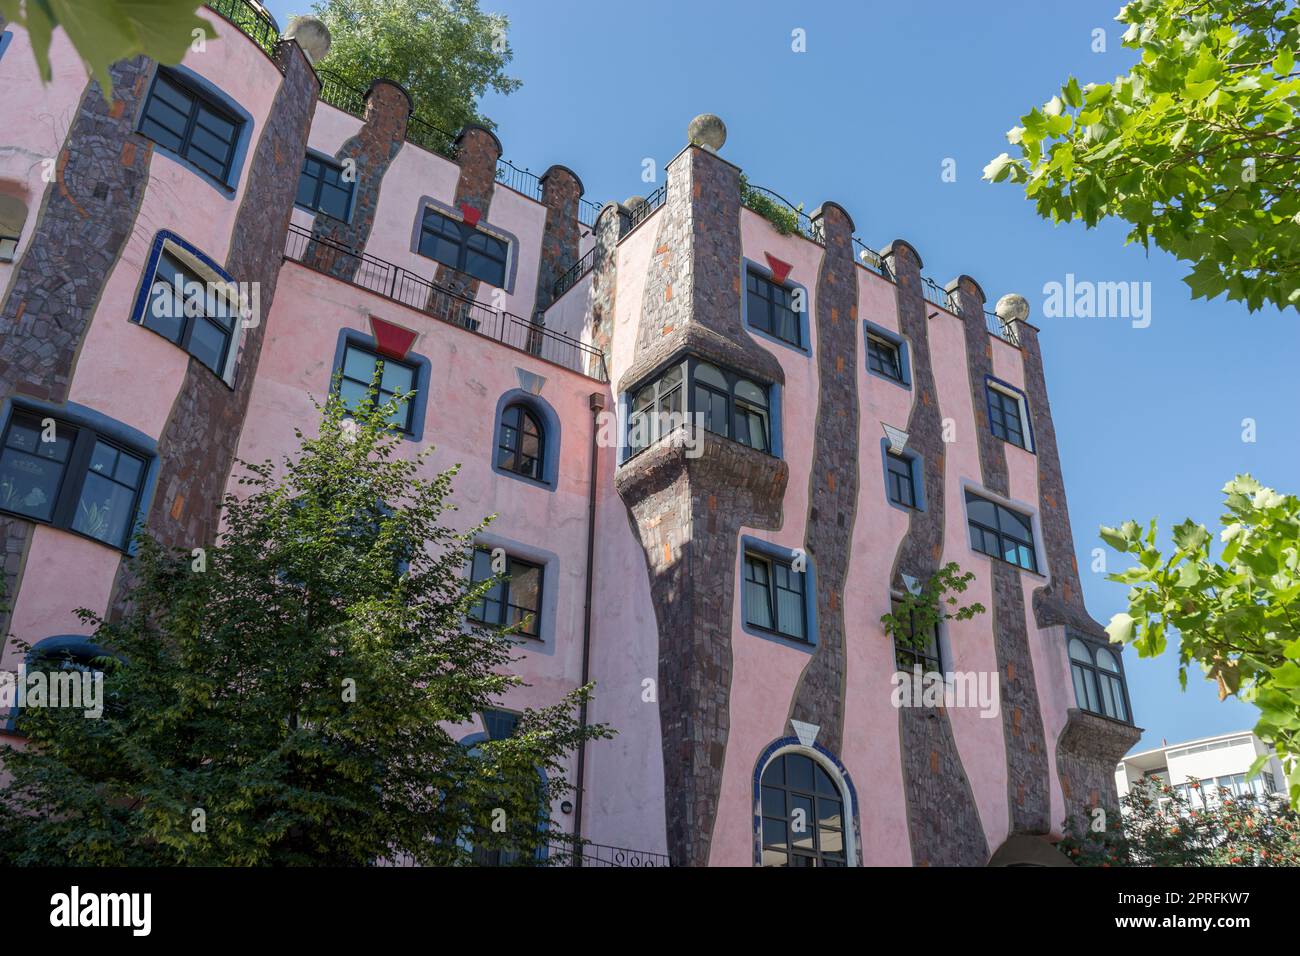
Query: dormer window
[{"x": 464, "y": 248}]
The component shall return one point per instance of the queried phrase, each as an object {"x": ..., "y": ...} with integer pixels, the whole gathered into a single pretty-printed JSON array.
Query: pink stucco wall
[{"x": 177, "y": 199}]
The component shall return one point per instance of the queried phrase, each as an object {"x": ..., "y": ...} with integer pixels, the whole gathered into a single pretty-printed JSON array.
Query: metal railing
[
  {"x": 572, "y": 274},
  {"x": 588, "y": 211},
  {"x": 253, "y": 21},
  {"x": 800, "y": 221},
  {"x": 937, "y": 296},
  {"x": 642, "y": 210},
  {"x": 871, "y": 259},
  {"x": 522, "y": 181},
  {"x": 337, "y": 92},
  {"x": 422, "y": 133},
  {"x": 393, "y": 282},
  {"x": 564, "y": 850},
  {"x": 1006, "y": 331}
]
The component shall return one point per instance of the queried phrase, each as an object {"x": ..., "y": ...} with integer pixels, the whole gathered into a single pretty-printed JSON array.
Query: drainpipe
[{"x": 596, "y": 401}]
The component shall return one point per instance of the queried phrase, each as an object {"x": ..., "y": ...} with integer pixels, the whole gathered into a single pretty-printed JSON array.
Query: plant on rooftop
[
  {"x": 445, "y": 53},
  {"x": 784, "y": 219}
]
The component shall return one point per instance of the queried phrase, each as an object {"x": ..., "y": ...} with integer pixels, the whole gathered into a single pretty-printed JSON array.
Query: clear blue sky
[{"x": 1149, "y": 419}]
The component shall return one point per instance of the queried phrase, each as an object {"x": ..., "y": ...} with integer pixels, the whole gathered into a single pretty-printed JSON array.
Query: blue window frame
[
  {"x": 887, "y": 355},
  {"x": 463, "y": 247},
  {"x": 74, "y": 472},
  {"x": 356, "y": 357},
  {"x": 322, "y": 187},
  {"x": 527, "y": 439},
  {"x": 515, "y": 600},
  {"x": 189, "y": 119},
  {"x": 770, "y": 307},
  {"x": 1008, "y": 413},
  {"x": 904, "y": 474},
  {"x": 1000, "y": 532},
  {"x": 777, "y": 599},
  {"x": 5, "y": 38}
]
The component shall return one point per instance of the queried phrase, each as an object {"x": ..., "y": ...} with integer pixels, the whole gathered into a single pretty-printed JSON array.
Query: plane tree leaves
[
  {"x": 106, "y": 31},
  {"x": 1237, "y": 615},
  {"x": 1196, "y": 147}
]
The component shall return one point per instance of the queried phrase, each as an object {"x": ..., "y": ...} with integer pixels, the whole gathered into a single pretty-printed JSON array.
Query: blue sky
[{"x": 1149, "y": 419}]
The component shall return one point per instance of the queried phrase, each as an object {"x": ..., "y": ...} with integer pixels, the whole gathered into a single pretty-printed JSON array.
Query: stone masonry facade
[
  {"x": 86, "y": 217},
  {"x": 833, "y": 485},
  {"x": 943, "y": 822},
  {"x": 1028, "y": 793}
]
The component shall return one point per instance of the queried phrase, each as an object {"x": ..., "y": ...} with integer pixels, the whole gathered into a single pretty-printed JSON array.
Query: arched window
[
  {"x": 521, "y": 442},
  {"x": 724, "y": 402},
  {"x": 1098, "y": 680},
  {"x": 803, "y": 813}
]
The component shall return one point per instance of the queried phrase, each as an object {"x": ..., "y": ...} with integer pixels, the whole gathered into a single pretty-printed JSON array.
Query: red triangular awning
[
  {"x": 780, "y": 268},
  {"x": 391, "y": 340}
]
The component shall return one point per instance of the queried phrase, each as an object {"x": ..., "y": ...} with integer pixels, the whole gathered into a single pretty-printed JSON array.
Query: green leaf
[
  {"x": 1284, "y": 62},
  {"x": 1120, "y": 628}
]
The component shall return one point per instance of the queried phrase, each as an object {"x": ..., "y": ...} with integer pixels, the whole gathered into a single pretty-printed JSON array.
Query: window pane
[
  {"x": 104, "y": 510},
  {"x": 396, "y": 377},
  {"x": 790, "y": 613},
  {"x": 208, "y": 345},
  {"x": 757, "y": 611},
  {"x": 773, "y": 802},
  {"x": 334, "y": 201},
  {"x": 359, "y": 365},
  {"x": 802, "y": 821},
  {"x": 799, "y": 771},
  {"x": 29, "y": 483}
]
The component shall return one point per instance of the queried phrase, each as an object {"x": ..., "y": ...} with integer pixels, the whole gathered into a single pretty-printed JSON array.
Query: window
[
  {"x": 191, "y": 124},
  {"x": 359, "y": 368},
  {"x": 322, "y": 188},
  {"x": 71, "y": 478},
  {"x": 13, "y": 214},
  {"x": 724, "y": 402},
  {"x": 1007, "y": 416},
  {"x": 521, "y": 442},
  {"x": 515, "y": 598},
  {"x": 770, "y": 309},
  {"x": 657, "y": 409},
  {"x": 1098, "y": 680},
  {"x": 901, "y": 486},
  {"x": 463, "y": 247},
  {"x": 194, "y": 313},
  {"x": 803, "y": 816},
  {"x": 500, "y": 724},
  {"x": 927, "y": 654},
  {"x": 775, "y": 597},
  {"x": 883, "y": 358},
  {"x": 1000, "y": 532}
]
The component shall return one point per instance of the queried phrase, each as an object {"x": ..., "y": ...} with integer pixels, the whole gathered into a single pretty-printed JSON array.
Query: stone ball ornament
[
  {"x": 312, "y": 36},
  {"x": 708, "y": 131},
  {"x": 1012, "y": 307}
]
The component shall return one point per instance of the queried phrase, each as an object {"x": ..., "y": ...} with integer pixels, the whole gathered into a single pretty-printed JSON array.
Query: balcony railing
[
  {"x": 937, "y": 296},
  {"x": 760, "y": 199},
  {"x": 588, "y": 211},
  {"x": 572, "y": 274},
  {"x": 871, "y": 259},
  {"x": 563, "y": 850},
  {"x": 253, "y": 21},
  {"x": 1007, "y": 331},
  {"x": 395, "y": 283},
  {"x": 642, "y": 210}
]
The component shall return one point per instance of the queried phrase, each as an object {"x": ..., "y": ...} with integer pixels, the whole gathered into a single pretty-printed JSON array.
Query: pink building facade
[{"x": 849, "y": 428}]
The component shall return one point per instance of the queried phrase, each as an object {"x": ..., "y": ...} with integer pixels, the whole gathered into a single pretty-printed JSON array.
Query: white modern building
[{"x": 1222, "y": 761}]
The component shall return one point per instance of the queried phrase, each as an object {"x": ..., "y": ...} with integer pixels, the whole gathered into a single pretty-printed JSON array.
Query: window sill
[
  {"x": 797, "y": 643},
  {"x": 124, "y": 550},
  {"x": 991, "y": 557},
  {"x": 803, "y": 350},
  {"x": 892, "y": 381}
]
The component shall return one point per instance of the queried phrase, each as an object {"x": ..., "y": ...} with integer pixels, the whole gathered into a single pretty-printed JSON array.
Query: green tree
[
  {"x": 1196, "y": 147},
  {"x": 1163, "y": 826},
  {"x": 1237, "y": 615},
  {"x": 105, "y": 31},
  {"x": 446, "y": 53},
  {"x": 297, "y": 685},
  {"x": 915, "y": 615}
]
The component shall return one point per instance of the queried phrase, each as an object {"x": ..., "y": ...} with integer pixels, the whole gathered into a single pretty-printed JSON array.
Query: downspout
[{"x": 596, "y": 402}]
